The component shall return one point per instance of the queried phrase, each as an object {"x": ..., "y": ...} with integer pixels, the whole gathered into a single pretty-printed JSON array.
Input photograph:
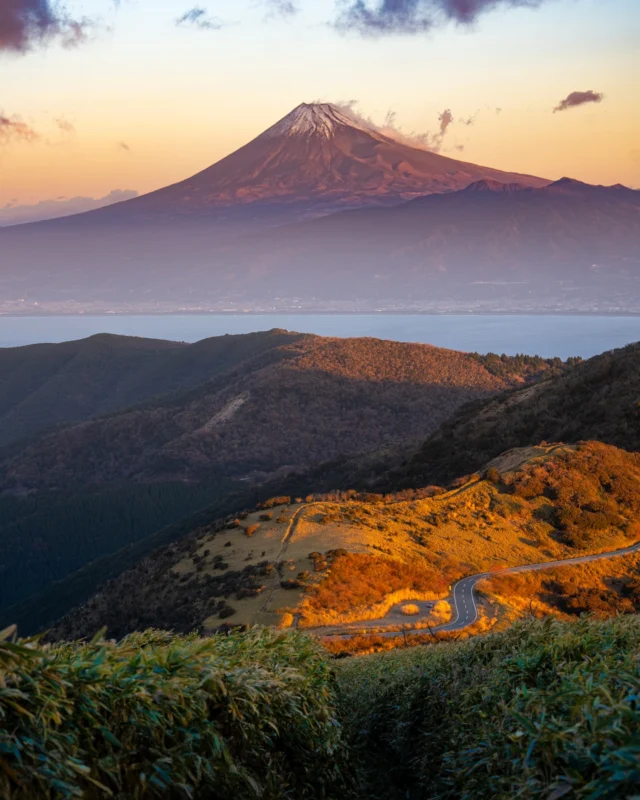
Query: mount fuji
[
  {"x": 265, "y": 226},
  {"x": 319, "y": 158}
]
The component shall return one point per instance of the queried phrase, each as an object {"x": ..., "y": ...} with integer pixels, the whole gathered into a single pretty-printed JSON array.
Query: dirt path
[{"x": 286, "y": 539}]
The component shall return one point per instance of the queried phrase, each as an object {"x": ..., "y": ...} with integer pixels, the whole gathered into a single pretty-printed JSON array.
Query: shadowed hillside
[
  {"x": 226, "y": 413},
  {"x": 45, "y": 385},
  {"x": 597, "y": 399},
  {"x": 274, "y": 401}
]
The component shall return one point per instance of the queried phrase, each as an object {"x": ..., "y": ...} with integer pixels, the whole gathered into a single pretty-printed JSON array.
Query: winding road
[{"x": 463, "y": 599}]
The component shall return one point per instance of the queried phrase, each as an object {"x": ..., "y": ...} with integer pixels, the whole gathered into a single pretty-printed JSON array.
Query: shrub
[
  {"x": 290, "y": 583},
  {"x": 410, "y": 610},
  {"x": 265, "y": 517},
  {"x": 543, "y": 710},
  {"x": 251, "y": 529},
  {"x": 275, "y": 501},
  {"x": 226, "y": 611},
  {"x": 163, "y": 716}
]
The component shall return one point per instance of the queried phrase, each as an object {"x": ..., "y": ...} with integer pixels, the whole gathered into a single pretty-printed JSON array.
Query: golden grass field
[{"x": 399, "y": 552}]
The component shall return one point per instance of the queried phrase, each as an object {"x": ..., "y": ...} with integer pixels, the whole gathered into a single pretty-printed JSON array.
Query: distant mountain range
[{"x": 323, "y": 211}]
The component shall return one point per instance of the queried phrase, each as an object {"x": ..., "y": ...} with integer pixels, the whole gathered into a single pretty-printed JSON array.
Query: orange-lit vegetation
[
  {"x": 601, "y": 588},
  {"x": 593, "y": 489},
  {"x": 349, "y": 557},
  {"x": 360, "y": 586}
]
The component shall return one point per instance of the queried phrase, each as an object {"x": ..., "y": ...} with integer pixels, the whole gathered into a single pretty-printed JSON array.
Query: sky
[{"x": 143, "y": 93}]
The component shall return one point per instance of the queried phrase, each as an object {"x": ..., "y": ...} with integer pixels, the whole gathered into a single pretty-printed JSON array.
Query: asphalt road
[
  {"x": 464, "y": 602},
  {"x": 463, "y": 599}
]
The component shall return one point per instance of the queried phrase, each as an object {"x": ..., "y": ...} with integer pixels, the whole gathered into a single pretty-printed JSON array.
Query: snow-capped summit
[{"x": 317, "y": 119}]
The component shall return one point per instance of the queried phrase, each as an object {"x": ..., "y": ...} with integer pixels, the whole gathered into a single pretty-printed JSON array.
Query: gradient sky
[{"x": 151, "y": 102}]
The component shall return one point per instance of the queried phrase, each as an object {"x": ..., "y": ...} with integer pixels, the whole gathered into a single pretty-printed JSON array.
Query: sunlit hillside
[{"x": 333, "y": 560}]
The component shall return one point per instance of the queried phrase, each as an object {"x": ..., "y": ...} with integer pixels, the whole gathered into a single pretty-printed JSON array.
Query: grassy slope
[{"x": 477, "y": 526}]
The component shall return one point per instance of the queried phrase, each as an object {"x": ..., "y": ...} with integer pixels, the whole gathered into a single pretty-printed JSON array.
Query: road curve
[
  {"x": 464, "y": 601},
  {"x": 463, "y": 598}
]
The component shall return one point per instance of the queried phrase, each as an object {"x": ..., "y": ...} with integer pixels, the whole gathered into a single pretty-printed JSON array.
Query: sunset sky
[{"x": 144, "y": 101}]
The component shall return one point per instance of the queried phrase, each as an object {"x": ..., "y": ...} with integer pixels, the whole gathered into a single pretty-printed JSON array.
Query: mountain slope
[
  {"x": 317, "y": 158},
  {"x": 597, "y": 399},
  {"x": 288, "y": 401},
  {"x": 434, "y": 540},
  {"x": 284, "y": 402},
  {"x": 564, "y": 244},
  {"x": 45, "y": 385}
]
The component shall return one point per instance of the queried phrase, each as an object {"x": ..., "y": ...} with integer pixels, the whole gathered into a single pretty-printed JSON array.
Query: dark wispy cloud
[
  {"x": 469, "y": 120},
  {"x": 15, "y": 129},
  {"x": 123, "y": 146},
  {"x": 198, "y": 17},
  {"x": 25, "y": 24},
  {"x": 282, "y": 8},
  {"x": 380, "y": 17},
  {"x": 14, "y": 214},
  {"x": 578, "y": 99},
  {"x": 65, "y": 126}
]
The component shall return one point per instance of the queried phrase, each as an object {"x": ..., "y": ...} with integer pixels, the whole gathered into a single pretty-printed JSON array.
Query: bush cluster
[
  {"x": 230, "y": 717},
  {"x": 543, "y": 710}
]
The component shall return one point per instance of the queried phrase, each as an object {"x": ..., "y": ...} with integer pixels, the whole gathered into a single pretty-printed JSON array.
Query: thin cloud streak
[
  {"x": 15, "y": 129},
  {"x": 65, "y": 126},
  {"x": 198, "y": 17},
  {"x": 425, "y": 141},
  {"x": 282, "y": 8}
]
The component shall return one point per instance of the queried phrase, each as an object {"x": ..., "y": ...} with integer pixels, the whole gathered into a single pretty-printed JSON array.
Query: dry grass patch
[{"x": 601, "y": 588}]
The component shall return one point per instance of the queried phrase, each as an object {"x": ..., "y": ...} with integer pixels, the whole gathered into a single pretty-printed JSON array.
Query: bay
[{"x": 544, "y": 335}]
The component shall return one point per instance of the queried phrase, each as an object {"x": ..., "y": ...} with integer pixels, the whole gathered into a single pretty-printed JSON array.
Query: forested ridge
[
  {"x": 257, "y": 407},
  {"x": 296, "y": 401},
  {"x": 597, "y": 399}
]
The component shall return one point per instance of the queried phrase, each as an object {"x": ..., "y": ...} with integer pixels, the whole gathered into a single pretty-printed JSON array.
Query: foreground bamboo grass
[
  {"x": 542, "y": 711},
  {"x": 162, "y": 716}
]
